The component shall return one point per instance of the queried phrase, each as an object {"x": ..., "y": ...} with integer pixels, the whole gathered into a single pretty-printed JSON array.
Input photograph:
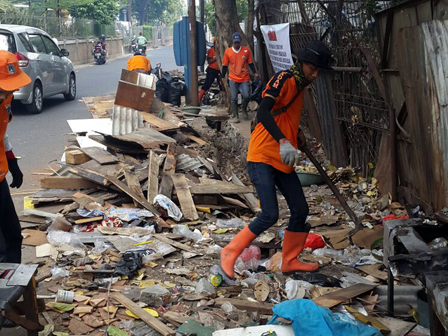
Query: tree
[
  {"x": 209, "y": 8},
  {"x": 7, "y": 7},
  {"x": 102, "y": 11},
  {"x": 167, "y": 11}
]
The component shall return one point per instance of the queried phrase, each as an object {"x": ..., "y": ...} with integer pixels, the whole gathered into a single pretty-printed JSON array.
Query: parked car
[{"x": 50, "y": 70}]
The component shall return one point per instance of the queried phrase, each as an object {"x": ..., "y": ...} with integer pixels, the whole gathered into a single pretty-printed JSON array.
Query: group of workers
[{"x": 272, "y": 155}]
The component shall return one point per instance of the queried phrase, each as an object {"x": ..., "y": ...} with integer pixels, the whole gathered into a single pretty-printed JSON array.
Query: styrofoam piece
[
  {"x": 256, "y": 331},
  {"x": 103, "y": 125}
]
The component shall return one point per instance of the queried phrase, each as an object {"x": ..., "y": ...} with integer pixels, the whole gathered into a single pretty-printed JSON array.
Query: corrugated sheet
[
  {"x": 125, "y": 120},
  {"x": 405, "y": 298}
]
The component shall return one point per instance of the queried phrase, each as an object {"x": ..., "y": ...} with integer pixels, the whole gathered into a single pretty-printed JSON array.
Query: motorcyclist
[{"x": 141, "y": 42}]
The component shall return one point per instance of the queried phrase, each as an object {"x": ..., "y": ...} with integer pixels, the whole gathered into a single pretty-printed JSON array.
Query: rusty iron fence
[{"x": 347, "y": 27}]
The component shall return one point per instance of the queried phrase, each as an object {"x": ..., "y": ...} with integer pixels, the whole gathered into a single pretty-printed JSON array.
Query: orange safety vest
[{"x": 5, "y": 117}]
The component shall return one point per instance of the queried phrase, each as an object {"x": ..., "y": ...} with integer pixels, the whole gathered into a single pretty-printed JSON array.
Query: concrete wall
[{"x": 81, "y": 49}]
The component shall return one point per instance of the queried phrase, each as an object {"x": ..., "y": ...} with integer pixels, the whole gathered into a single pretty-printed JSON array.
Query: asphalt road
[{"x": 40, "y": 139}]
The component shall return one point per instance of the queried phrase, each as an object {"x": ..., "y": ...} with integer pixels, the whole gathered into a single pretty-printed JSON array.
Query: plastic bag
[
  {"x": 176, "y": 91},
  {"x": 163, "y": 90},
  {"x": 182, "y": 230},
  {"x": 100, "y": 247},
  {"x": 129, "y": 214},
  {"x": 438, "y": 243},
  {"x": 58, "y": 238},
  {"x": 131, "y": 262},
  {"x": 257, "y": 89},
  {"x": 59, "y": 273},
  {"x": 230, "y": 223},
  {"x": 314, "y": 241},
  {"x": 214, "y": 250},
  {"x": 172, "y": 209}
]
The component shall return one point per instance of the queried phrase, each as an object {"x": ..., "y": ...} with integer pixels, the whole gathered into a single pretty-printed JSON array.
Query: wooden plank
[
  {"x": 133, "y": 96},
  {"x": 66, "y": 182},
  {"x": 261, "y": 307},
  {"x": 76, "y": 157},
  {"x": 88, "y": 220},
  {"x": 209, "y": 186},
  {"x": 332, "y": 299},
  {"x": 159, "y": 108},
  {"x": 123, "y": 187},
  {"x": 166, "y": 186},
  {"x": 170, "y": 161},
  {"x": 134, "y": 184},
  {"x": 88, "y": 175},
  {"x": 140, "y": 312},
  {"x": 374, "y": 271},
  {"x": 196, "y": 139},
  {"x": 173, "y": 243},
  {"x": 153, "y": 176},
  {"x": 100, "y": 155},
  {"x": 146, "y": 138},
  {"x": 249, "y": 197},
  {"x": 158, "y": 123},
  {"x": 184, "y": 196}
]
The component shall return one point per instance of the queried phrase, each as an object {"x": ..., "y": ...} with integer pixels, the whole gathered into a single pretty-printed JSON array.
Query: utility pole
[
  {"x": 202, "y": 19},
  {"x": 193, "y": 54}
]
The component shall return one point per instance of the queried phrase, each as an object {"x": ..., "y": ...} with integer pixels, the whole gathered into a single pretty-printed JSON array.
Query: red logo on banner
[{"x": 272, "y": 35}]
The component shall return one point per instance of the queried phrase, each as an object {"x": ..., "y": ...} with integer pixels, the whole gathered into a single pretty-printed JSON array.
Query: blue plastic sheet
[{"x": 309, "y": 319}]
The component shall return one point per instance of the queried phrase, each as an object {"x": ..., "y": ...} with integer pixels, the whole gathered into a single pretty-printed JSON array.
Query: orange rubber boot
[
  {"x": 201, "y": 94},
  {"x": 231, "y": 252},
  {"x": 293, "y": 244}
]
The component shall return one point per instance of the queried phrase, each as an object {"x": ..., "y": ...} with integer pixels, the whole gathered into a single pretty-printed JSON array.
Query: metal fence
[
  {"x": 60, "y": 27},
  {"x": 347, "y": 28}
]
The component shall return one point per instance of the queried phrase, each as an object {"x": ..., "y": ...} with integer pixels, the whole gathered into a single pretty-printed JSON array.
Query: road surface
[{"x": 40, "y": 139}]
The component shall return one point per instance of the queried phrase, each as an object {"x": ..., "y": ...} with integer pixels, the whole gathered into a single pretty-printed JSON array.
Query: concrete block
[{"x": 155, "y": 296}]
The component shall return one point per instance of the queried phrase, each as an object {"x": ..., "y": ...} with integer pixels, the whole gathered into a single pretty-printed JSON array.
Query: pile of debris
[{"x": 130, "y": 230}]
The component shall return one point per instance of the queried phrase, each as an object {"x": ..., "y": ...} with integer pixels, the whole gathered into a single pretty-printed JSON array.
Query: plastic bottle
[{"x": 250, "y": 253}]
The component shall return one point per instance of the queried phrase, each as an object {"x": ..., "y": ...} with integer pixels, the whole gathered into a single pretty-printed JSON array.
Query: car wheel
[
  {"x": 37, "y": 104},
  {"x": 71, "y": 95}
]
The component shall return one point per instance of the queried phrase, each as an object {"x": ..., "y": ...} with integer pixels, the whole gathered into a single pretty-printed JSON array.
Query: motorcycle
[
  {"x": 142, "y": 49},
  {"x": 134, "y": 48},
  {"x": 99, "y": 53}
]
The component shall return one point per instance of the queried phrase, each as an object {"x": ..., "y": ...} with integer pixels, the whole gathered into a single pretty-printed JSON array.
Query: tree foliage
[
  {"x": 151, "y": 12},
  {"x": 209, "y": 10},
  {"x": 102, "y": 11},
  {"x": 7, "y": 7}
]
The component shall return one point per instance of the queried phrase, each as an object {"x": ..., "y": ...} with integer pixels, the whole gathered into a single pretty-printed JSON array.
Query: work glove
[
  {"x": 17, "y": 176},
  {"x": 289, "y": 154}
]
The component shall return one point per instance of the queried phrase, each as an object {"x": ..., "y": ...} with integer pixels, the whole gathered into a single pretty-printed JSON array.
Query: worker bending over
[
  {"x": 139, "y": 63},
  {"x": 271, "y": 158}
]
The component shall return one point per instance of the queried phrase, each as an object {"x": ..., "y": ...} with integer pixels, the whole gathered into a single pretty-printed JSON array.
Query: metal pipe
[
  {"x": 342, "y": 201},
  {"x": 193, "y": 54}
]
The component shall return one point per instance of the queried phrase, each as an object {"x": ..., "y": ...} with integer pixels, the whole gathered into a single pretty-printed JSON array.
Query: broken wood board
[
  {"x": 249, "y": 197},
  {"x": 98, "y": 106},
  {"x": 374, "y": 270},
  {"x": 397, "y": 327},
  {"x": 173, "y": 243},
  {"x": 184, "y": 196},
  {"x": 76, "y": 157},
  {"x": 44, "y": 214},
  {"x": 170, "y": 160},
  {"x": 332, "y": 299},
  {"x": 101, "y": 156},
  {"x": 141, "y": 313},
  {"x": 133, "y": 183},
  {"x": 66, "y": 182},
  {"x": 88, "y": 220},
  {"x": 134, "y": 96},
  {"x": 124, "y": 244},
  {"x": 143, "y": 138},
  {"x": 196, "y": 139},
  {"x": 153, "y": 176},
  {"x": 158, "y": 123},
  {"x": 123, "y": 187},
  {"x": 158, "y": 108},
  {"x": 261, "y": 307},
  {"x": 209, "y": 186},
  {"x": 123, "y": 231}
]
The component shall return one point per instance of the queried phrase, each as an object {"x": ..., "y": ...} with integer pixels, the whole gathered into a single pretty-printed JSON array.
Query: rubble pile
[{"x": 128, "y": 240}]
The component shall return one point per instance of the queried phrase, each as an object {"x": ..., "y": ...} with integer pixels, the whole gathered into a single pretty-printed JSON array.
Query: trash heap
[{"x": 128, "y": 240}]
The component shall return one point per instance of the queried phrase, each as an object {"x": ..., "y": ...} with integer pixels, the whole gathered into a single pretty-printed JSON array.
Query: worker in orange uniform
[
  {"x": 139, "y": 63},
  {"x": 272, "y": 155},
  {"x": 11, "y": 79},
  {"x": 212, "y": 71},
  {"x": 236, "y": 60}
]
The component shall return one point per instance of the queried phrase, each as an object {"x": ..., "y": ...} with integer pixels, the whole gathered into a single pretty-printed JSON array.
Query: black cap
[{"x": 317, "y": 54}]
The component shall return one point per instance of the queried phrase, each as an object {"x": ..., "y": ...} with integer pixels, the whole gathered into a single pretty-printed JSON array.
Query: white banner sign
[{"x": 279, "y": 48}]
